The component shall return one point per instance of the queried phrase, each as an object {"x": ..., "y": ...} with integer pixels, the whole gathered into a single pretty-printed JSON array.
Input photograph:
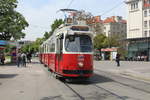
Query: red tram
[{"x": 69, "y": 51}]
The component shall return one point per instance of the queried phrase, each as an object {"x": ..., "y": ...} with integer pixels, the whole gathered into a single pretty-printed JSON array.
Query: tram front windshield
[{"x": 78, "y": 43}]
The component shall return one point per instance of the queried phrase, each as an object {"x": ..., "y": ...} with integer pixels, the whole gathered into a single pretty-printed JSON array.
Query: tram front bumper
[{"x": 78, "y": 72}]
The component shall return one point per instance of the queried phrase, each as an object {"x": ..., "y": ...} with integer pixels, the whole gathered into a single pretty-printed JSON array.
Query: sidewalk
[{"x": 137, "y": 70}]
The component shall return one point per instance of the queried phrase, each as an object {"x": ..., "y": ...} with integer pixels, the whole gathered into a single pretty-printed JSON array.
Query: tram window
[
  {"x": 58, "y": 46},
  {"x": 81, "y": 43},
  {"x": 53, "y": 47}
]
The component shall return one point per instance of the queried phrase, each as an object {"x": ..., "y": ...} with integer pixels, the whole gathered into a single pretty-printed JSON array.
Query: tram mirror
[
  {"x": 71, "y": 38},
  {"x": 61, "y": 36}
]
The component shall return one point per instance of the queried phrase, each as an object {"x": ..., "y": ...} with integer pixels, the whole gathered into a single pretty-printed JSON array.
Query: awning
[
  {"x": 109, "y": 49},
  {"x": 3, "y": 43}
]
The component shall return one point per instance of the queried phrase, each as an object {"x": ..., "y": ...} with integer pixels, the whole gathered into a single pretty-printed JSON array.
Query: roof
[
  {"x": 110, "y": 20},
  {"x": 95, "y": 19},
  {"x": 113, "y": 20}
]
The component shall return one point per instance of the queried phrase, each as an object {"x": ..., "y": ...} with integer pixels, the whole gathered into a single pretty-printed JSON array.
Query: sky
[{"x": 40, "y": 14}]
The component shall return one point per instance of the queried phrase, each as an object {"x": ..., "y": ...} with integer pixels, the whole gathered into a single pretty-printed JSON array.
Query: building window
[
  {"x": 132, "y": 7},
  {"x": 145, "y": 24},
  {"x": 145, "y": 13},
  {"x": 136, "y": 5},
  {"x": 145, "y": 33}
]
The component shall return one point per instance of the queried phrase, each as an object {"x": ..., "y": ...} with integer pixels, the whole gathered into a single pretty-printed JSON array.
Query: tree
[
  {"x": 46, "y": 35},
  {"x": 54, "y": 26},
  {"x": 33, "y": 47},
  {"x": 11, "y": 22},
  {"x": 113, "y": 41},
  {"x": 100, "y": 41}
]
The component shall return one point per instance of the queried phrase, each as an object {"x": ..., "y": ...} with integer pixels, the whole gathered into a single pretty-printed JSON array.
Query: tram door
[{"x": 59, "y": 54}]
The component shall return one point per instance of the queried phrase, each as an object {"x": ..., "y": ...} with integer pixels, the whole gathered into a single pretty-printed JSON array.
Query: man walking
[
  {"x": 23, "y": 57},
  {"x": 19, "y": 60},
  {"x": 118, "y": 59}
]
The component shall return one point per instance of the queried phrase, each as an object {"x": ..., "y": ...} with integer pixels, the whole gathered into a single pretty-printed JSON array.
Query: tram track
[
  {"x": 120, "y": 97},
  {"x": 131, "y": 86},
  {"x": 81, "y": 97},
  {"x": 99, "y": 88}
]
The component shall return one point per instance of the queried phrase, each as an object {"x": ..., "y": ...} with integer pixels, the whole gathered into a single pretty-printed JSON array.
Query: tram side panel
[{"x": 51, "y": 62}]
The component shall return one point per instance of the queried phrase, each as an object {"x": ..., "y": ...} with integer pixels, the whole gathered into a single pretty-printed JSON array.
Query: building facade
[
  {"x": 115, "y": 25},
  {"x": 138, "y": 28}
]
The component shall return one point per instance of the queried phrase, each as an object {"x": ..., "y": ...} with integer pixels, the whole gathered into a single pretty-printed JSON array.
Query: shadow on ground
[
  {"x": 52, "y": 98},
  {"x": 8, "y": 75},
  {"x": 95, "y": 79},
  {"x": 8, "y": 64}
]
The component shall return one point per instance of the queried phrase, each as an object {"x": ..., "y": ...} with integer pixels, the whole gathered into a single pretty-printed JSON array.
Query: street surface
[{"x": 36, "y": 83}]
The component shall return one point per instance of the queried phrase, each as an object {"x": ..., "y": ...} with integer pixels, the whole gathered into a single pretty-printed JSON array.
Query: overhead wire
[
  {"x": 70, "y": 4},
  {"x": 116, "y": 6}
]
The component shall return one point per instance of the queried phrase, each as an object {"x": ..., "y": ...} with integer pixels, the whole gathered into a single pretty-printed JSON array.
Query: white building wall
[
  {"x": 116, "y": 28},
  {"x": 107, "y": 29},
  {"x": 134, "y": 19}
]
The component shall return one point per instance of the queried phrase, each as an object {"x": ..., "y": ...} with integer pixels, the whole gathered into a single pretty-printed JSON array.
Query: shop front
[{"x": 139, "y": 49}]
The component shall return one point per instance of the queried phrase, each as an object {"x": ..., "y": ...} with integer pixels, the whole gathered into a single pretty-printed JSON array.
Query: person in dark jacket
[
  {"x": 23, "y": 57},
  {"x": 19, "y": 60},
  {"x": 2, "y": 58},
  {"x": 118, "y": 59}
]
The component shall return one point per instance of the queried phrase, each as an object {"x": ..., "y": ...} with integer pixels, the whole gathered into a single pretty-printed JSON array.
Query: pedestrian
[
  {"x": 23, "y": 57},
  {"x": 118, "y": 59},
  {"x": 2, "y": 58},
  {"x": 29, "y": 55},
  {"x": 19, "y": 60}
]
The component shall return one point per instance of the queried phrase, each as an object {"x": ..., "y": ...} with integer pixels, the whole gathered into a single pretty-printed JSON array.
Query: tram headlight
[{"x": 80, "y": 64}]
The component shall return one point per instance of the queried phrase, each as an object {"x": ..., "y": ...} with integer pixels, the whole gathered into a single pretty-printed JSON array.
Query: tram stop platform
[{"x": 133, "y": 69}]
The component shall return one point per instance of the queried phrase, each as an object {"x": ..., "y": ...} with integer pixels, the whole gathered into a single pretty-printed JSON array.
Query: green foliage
[
  {"x": 100, "y": 41},
  {"x": 54, "y": 26},
  {"x": 33, "y": 47},
  {"x": 113, "y": 41},
  {"x": 46, "y": 35},
  {"x": 11, "y": 22}
]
